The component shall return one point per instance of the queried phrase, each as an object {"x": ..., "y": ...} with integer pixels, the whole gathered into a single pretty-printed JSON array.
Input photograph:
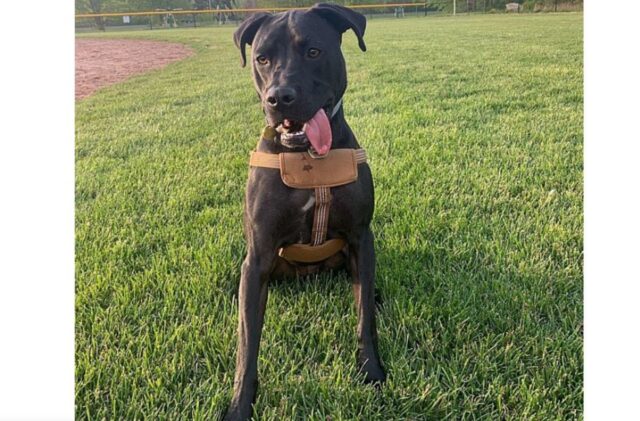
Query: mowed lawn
[{"x": 474, "y": 129}]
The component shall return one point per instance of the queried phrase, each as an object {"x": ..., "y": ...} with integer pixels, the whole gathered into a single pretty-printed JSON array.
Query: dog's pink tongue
[{"x": 318, "y": 131}]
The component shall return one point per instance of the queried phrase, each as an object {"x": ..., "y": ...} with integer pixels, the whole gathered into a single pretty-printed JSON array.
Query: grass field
[{"x": 474, "y": 129}]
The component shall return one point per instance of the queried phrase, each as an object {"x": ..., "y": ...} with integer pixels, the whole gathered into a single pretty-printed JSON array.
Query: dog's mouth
[
  {"x": 292, "y": 133},
  {"x": 314, "y": 134}
]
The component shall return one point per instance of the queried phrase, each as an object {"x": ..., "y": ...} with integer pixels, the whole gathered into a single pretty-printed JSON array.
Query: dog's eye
[
  {"x": 262, "y": 60},
  {"x": 313, "y": 53}
]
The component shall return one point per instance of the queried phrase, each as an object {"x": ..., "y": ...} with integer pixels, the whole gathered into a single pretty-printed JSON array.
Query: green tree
[
  {"x": 215, "y": 4},
  {"x": 91, "y": 6}
]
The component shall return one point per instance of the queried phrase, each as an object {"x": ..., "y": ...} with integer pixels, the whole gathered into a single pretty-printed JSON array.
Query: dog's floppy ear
[
  {"x": 342, "y": 19},
  {"x": 247, "y": 31}
]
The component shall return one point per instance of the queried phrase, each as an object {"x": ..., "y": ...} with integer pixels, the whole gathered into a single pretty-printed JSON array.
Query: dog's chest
[
  {"x": 287, "y": 213},
  {"x": 309, "y": 204},
  {"x": 306, "y": 210},
  {"x": 306, "y": 213}
]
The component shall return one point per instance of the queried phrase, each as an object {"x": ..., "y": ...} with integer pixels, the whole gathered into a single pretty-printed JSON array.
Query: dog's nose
[{"x": 282, "y": 96}]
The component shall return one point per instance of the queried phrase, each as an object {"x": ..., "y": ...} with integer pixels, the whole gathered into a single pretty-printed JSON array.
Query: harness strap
[
  {"x": 265, "y": 160},
  {"x": 306, "y": 253},
  {"x": 321, "y": 215},
  {"x": 272, "y": 160}
]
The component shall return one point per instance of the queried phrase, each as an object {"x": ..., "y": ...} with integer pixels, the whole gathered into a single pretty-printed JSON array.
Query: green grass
[{"x": 474, "y": 129}]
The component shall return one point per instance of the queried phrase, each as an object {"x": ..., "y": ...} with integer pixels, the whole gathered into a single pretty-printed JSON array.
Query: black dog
[{"x": 298, "y": 69}]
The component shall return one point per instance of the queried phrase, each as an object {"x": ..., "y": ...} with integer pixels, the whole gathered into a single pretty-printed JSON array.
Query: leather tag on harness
[{"x": 301, "y": 171}]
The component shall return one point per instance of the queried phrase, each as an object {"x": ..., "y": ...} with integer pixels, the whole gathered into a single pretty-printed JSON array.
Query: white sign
[{"x": 126, "y": 19}]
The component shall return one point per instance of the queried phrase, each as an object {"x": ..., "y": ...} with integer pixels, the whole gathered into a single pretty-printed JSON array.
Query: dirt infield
[{"x": 103, "y": 62}]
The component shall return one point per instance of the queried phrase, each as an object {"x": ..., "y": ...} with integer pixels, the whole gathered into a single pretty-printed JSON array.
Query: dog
[{"x": 300, "y": 77}]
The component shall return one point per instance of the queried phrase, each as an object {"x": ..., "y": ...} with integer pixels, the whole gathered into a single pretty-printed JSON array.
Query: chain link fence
[{"x": 182, "y": 18}]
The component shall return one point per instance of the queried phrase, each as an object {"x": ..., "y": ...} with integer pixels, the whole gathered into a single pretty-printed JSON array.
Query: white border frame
[{"x": 37, "y": 211}]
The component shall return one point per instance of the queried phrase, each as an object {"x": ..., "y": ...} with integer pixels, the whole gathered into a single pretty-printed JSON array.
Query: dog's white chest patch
[{"x": 310, "y": 202}]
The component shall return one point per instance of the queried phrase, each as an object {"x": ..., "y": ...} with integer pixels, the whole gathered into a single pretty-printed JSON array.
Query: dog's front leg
[
  {"x": 252, "y": 300},
  {"x": 363, "y": 269}
]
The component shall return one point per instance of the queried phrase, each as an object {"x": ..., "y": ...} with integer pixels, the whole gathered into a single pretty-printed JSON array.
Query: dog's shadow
[
  {"x": 437, "y": 299},
  {"x": 444, "y": 282},
  {"x": 431, "y": 275}
]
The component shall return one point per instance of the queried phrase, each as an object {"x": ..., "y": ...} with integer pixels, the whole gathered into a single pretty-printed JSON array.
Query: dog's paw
[
  {"x": 375, "y": 377},
  {"x": 238, "y": 413},
  {"x": 372, "y": 369}
]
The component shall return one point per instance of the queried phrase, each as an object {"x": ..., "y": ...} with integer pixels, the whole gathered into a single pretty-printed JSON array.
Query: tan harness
[{"x": 304, "y": 170}]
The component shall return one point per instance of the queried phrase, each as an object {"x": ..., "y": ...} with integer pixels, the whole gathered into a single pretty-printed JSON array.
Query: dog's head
[{"x": 297, "y": 64}]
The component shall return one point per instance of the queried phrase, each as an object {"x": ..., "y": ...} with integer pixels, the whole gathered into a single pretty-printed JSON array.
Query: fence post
[
  {"x": 150, "y": 22},
  {"x": 194, "y": 21}
]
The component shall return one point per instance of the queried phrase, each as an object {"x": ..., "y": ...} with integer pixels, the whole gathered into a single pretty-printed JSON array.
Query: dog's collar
[{"x": 336, "y": 108}]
